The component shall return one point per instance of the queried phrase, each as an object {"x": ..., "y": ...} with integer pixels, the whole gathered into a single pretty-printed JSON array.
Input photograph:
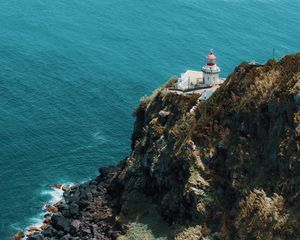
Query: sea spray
[{"x": 54, "y": 194}]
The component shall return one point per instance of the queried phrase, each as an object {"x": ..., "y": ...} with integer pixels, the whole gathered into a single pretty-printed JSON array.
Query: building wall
[
  {"x": 185, "y": 83},
  {"x": 211, "y": 78}
]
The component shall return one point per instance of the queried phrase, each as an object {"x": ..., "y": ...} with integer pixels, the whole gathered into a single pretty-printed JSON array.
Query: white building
[
  {"x": 208, "y": 77},
  {"x": 190, "y": 79}
]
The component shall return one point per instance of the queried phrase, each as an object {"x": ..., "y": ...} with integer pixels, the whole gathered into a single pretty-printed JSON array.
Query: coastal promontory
[{"x": 227, "y": 169}]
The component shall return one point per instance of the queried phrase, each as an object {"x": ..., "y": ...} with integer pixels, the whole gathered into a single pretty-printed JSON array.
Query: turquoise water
[{"x": 71, "y": 73}]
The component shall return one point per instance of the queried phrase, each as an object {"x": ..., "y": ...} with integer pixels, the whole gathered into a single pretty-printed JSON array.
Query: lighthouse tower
[{"x": 211, "y": 70}]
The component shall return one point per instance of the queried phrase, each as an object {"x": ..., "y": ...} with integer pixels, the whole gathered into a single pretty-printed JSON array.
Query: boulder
[
  {"x": 93, "y": 182},
  {"x": 83, "y": 204},
  {"x": 19, "y": 235},
  {"x": 65, "y": 188},
  {"x": 74, "y": 209},
  {"x": 57, "y": 185},
  {"x": 64, "y": 209},
  {"x": 89, "y": 196},
  {"x": 49, "y": 231},
  {"x": 67, "y": 237},
  {"x": 59, "y": 222},
  {"x": 163, "y": 113},
  {"x": 47, "y": 215},
  {"x": 297, "y": 98},
  {"x": 114, "y": 235},
  {"x": 86, "y": 231},
  {"x": 47, "y": 220},
  {"x": 60, "y": 234},
  {"x": 73, "y": 196},
  {"x": 34, "y": 229},
  {"x": 94, "y": 229},
  {"x": 106, "y": 173},
  {"x": 75, "y": 227},
  {"x": 36, "y": 236},
  {"x": 51, "y": 209}
]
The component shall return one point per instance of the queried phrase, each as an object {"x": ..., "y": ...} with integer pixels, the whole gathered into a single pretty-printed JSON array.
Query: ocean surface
[{"x": 71, "y": 73}]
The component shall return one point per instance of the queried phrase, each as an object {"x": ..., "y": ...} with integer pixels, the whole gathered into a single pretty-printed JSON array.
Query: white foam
[
  {"x": 55, "y": 195},
  {"x": 37, "y": 221},
  {"x": 100, "y": 136}
]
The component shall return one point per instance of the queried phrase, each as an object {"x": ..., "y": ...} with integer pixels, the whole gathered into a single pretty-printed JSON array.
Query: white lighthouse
[
  {"x": 211, "y": 70},
  {"x": 205, "y": 81}
]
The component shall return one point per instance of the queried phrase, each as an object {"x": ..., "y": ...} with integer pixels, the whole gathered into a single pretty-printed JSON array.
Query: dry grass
[
  {"x": 193, "y": 233},
  {"x": 262, "y": 89},
  {"x": 263, "y": 217}
]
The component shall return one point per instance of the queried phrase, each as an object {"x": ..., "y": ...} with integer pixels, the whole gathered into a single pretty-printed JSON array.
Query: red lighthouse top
[{"x": 211, "y": 59}]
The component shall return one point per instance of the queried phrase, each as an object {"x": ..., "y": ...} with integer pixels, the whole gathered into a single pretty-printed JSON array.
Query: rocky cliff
[{"x": 229, "y": 169}]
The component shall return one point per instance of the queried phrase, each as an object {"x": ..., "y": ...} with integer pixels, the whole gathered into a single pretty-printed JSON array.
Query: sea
[{"x": 72, "y": 72}]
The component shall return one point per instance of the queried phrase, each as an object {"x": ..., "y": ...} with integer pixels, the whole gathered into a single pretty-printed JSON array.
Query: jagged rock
[
  {"x": 36, "y": 236},
  {"x": 59, "y": 222},
  {"x": 67, "y": 237},
  {"x": 75, "y": 226},
  {"x": 83, "y": 204},
  {"x": 93, "y": 182},
  {"x": 57, "y": 185},
  {"x": 19, "y": 235},
  {"x": 47, "y": 220},
  {"x": 297, "y": 98},
  {"x": 64, "y": 209},
  {"x": 72, "y": 197},
  {"x": 89, "y": 196},
  {"x": 114, "y": 235},
  {"x": 94, "y": 192},
  {"x": 60, "y": 234},
  {"x": 34, "y": 229},
  {"x": 49, "y": 231},
  {"x": 95, "y": 230},
  {"x": 74, "y": 209},
  {"x": 47, "y": 215},
  {"x": 51, "y": 209},
  {"x": 86, "y": 231},
  {"x": 163, "y": 113}
]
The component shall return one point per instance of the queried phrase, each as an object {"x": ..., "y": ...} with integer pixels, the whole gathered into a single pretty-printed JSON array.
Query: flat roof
[{"x": 192, "y": 74}]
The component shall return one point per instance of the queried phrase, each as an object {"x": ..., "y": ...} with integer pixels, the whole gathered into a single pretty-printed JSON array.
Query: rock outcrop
[{"x": 229, "y": 169}]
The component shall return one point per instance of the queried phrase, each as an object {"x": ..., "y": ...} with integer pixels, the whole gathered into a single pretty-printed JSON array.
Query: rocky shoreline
[{"x": 87, "y": 211}]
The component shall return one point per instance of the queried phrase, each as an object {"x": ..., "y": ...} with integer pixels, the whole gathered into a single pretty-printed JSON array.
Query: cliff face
[{"x": 229, "y": 169}]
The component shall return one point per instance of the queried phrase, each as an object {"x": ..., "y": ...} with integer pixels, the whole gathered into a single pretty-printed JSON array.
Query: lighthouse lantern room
[{"x": 211, "y": 70}]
